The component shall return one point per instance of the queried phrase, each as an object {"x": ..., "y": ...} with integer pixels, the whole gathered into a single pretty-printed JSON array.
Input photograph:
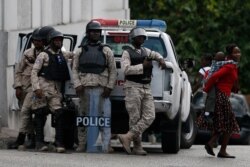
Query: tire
[
  {"x": 171, "y": 139},
  {"x": 188, "y": 138},
  {"x": 246, "y": 141}
]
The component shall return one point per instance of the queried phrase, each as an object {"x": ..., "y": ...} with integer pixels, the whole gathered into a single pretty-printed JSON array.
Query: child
[
  {"x": 217, "y": 62},
  {"x": 206, "y": 60}
]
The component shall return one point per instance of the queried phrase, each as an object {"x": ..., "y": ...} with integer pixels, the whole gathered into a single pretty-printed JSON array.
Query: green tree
[{"x": 202, "y": 26}]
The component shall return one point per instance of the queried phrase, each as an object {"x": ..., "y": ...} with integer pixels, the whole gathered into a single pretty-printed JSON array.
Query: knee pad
[
  {"x": 58, "y": 113},
  {"x": 56, "y": 116}
]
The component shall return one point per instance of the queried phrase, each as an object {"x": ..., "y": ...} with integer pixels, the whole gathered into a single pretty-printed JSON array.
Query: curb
[{"x": 6, "y": 135}]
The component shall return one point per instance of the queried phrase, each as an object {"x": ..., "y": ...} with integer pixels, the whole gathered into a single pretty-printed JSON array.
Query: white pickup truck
[{"x": 174, "y": 122}]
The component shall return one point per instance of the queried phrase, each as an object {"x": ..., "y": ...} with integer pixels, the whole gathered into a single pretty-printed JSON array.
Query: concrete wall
[
  {"x": 3, "y": 62},
  {"x": 29, "y": 14},
  {"x": 69, "y": 16}
]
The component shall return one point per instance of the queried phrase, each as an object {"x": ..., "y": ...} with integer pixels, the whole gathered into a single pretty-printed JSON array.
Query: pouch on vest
[{"x": 57, "y": 68}]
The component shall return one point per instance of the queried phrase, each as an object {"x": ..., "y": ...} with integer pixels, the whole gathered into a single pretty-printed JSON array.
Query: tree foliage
[{"x": 203, "y": 26}]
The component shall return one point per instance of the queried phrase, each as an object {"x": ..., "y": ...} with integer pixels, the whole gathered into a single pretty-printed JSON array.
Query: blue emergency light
[{"x": 158, "y": 24}]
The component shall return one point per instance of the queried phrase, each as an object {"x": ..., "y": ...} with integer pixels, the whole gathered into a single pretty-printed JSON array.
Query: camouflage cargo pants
[
  {"x": 140, "y": 106},
  {"x": 29, "y": 104}
]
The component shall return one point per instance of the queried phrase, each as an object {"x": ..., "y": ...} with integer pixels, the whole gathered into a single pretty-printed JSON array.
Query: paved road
[{"x": 194, "y": 157}]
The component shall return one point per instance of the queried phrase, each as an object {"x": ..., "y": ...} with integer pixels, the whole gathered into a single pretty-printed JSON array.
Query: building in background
[{"x": 68, "y": 16}]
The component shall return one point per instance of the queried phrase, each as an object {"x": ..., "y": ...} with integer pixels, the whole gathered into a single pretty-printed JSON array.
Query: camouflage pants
[
  {"x": 92, "y": 104},
  {"x": 29, "y": 104},
  {"x": 52, "y": 100},
  {"x": 21, "y": 100},
  {"x": 140, "y": 106}
]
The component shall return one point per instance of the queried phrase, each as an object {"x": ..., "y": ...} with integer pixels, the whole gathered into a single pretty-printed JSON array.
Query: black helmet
[
  {"x": 93, "y": 25},
  {"x": 36, "y": 34},
  {"x": 44, "y": 31},
  {"x": 54, "y": 34}
]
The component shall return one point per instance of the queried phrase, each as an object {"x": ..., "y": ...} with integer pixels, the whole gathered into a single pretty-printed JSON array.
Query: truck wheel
[
  {"x": 188, "y": 137},
  {"x": 245, "y": 141},
  {"x": 170, "y": 140}
]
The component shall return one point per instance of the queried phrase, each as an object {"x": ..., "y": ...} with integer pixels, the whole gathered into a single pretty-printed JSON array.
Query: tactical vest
[
  {"x": 92, "y": 59},
  {"x": 57, "y": 69},
  {"x": 135, "y": 59}
]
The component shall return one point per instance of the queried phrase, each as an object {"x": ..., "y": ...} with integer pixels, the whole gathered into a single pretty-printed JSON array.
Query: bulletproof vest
[
  {"x": 92, "y": 59},
  {"x": 137, "y": 58},
  {"x": 57, "y": 69}
]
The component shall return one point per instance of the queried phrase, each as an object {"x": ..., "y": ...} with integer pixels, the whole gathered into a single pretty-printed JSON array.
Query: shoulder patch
[{"x": 37, "y": 61}]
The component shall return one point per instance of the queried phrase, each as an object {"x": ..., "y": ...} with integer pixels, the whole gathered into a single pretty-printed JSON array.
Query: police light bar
[{"x": 129, "y": 24}]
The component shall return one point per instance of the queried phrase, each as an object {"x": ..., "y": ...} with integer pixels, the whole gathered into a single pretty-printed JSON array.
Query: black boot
[
  {"x": 40, "y": 119},
  {"x": 19, "y": 141},
  {"x": 59, "y": 131},
  {"x": 31, "y": 141}
]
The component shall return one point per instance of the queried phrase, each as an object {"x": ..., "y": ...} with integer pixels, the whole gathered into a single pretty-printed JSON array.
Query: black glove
[
  {"x": 79, "y": 90},
  {"x": 106, "y": 92}
]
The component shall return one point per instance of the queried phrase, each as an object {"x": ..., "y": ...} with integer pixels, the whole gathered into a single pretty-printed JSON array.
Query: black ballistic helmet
[
  {"x": 44, "y": 31},
  {"x": 36, "y": 34},
  {"x": 93, "y": 25},
  {"x": 54, "y": 34}
]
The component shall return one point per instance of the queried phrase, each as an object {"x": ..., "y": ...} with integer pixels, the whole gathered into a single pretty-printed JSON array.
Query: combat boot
[
  {"x": 31, "y": 141},
  {"x": 107, "y": 148},
  {"x": 19, "y": 141},
  {"x": 125, "y": 140},
  {"x": 60, "y": 149},
  {"x": 81, "y": 148},
  {"x": 40, "y": 119},
  {"x": 41, "y": 146},
  {"x": 137, "y": 149},
  {"x": 59, "y": 131},
  {"x": 82, "y": 135},
  {"x": 110, "y": 149}
]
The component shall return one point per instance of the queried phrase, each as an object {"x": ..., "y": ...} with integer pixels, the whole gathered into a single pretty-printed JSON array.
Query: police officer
[
  {"x": 49, "y": 72},
  {"x": 137, "y": 65},
  {"x": 94, "y": 76},
  {"x": 22, "y": 84}
]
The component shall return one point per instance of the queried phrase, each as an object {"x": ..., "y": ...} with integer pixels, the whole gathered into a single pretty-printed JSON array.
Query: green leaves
[{"x": 202, "y": 26}]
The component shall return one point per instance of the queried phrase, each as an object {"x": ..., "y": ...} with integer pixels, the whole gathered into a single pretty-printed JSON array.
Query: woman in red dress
[{"x": 224, "y": 121}]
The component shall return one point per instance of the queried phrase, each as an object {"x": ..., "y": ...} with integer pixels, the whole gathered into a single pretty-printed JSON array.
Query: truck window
[
  {"x": 156, "y": 44},
  {"x": 118, "y": 43}
]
